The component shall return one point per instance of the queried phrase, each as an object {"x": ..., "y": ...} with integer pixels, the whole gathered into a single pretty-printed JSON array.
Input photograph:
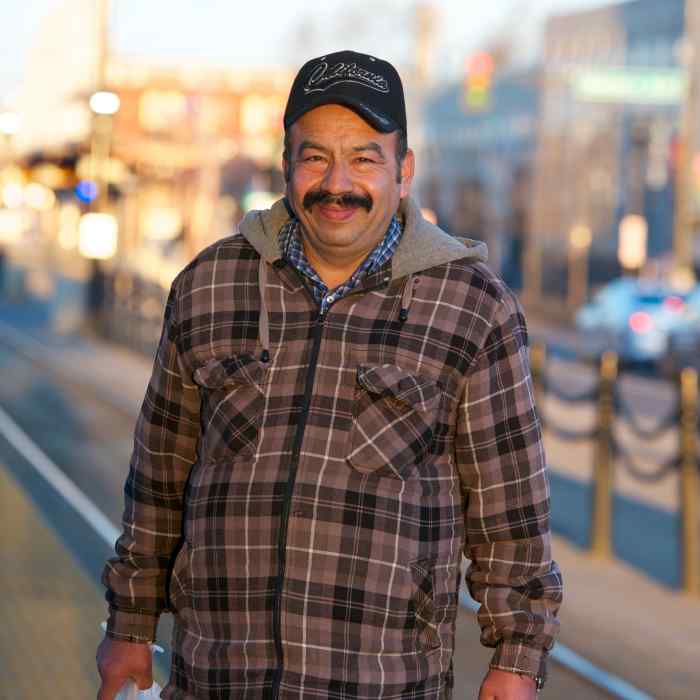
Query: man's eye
[
  {"x": 362, "y": 159},
  {"x": 313, "y": 159}
]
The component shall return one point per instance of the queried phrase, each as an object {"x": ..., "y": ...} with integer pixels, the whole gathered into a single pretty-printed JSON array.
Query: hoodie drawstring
[
  {"x": 264, "y": 322},
  {"x": 406, "y": 299}
]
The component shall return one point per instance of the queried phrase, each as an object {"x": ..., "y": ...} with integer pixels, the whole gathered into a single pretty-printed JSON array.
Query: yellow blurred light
[
  {"x": 13, "y": 195},
  {"x": 11, "y": 174},
  {"x": 160, "y": 110},
  {"x": 104, "y": 102},
  {"x": 682, "y": 279},
  {"x": 39, "y": 197},
  {"x": 632, "y": 247},
  {"x": 9, "y": 123},
  {"x": 12, "y": 225},
  {"x": 112, "y": 169},
  {"x": 68, "y": 223},
  {"x": 49, "y": 175},
  {"x": 68, "y": 237},
  {"x": 580, "y": 237},
  {"x": 98, "y": 236},
  {"x": 161, "y": 223},
  {"x": 429, "y": 215}
]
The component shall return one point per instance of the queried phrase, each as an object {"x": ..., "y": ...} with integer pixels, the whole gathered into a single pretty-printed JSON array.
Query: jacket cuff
[
  {"x": 520, "y": 658},
  {"x": 131, "y": 626}
]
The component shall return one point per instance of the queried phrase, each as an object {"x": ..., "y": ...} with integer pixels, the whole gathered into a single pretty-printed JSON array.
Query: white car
[{"x": 638, "y": 319}]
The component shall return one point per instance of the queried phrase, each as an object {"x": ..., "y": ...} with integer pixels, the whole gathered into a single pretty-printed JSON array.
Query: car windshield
[{"x": 655, "y": 298}]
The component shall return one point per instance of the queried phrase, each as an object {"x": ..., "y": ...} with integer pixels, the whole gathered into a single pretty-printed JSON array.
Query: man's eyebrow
[
  {"x": 311, "y": 144},
  {"x": 371, "y": 146}
]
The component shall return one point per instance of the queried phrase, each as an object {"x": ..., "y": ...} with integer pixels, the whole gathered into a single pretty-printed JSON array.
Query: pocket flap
[
  {"x": 238, "y": 369},
  {"x": 416, "y": 390}
]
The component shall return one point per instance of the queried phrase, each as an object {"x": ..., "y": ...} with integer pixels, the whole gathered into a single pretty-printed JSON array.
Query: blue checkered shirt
[{"x": 292, "y": 251}]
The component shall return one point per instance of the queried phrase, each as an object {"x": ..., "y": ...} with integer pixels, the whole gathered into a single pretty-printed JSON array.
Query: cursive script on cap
[{"x": 322, "y": 77}]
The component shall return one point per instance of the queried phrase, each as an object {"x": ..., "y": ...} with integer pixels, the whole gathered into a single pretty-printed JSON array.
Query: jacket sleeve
[
  {"x": 502, "y": 466},
  {"x": 165, "y": 445}
]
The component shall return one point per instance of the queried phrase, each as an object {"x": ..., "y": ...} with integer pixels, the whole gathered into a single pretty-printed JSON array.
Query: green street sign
[{"x": 641, "y": 86}]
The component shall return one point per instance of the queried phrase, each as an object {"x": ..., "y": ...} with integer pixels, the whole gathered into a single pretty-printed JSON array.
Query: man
[{"x": 340, "y": 406}]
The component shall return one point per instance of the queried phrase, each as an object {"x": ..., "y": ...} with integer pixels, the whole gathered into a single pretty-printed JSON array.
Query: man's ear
[
  {"x": 408, "y": 168},
  {"x": 286, "y": 167}
]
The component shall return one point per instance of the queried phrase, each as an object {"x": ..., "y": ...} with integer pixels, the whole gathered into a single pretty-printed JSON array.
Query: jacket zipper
[
  {"x": 284, "y": 523},
  {"x": 296, "y": 452}
]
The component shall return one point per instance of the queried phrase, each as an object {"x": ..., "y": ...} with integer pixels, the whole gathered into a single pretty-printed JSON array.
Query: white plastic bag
[{"x": 130, "y": 691}]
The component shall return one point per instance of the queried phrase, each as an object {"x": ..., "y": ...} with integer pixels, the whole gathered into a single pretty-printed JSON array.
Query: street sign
[{"x": 642, "y": 86}]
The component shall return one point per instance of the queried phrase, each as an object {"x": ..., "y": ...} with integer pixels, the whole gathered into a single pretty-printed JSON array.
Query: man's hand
[
  {"x": 503, "y": 685},
  {"x": 118, "y": 662}
]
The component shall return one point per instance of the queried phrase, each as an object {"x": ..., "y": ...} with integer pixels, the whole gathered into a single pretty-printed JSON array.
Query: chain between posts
[
  {"x": 538, "y": 356},
  {"x": 684, "y": 414}
]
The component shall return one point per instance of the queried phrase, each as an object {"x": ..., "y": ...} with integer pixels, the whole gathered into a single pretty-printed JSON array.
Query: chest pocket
[
  {"x": 232, "y": 405},
  {"x": 393, "y": 420}
]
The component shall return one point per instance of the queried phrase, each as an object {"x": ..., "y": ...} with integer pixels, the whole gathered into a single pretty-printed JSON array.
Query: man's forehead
[
  {"x": 327, "y": 118},
  {"x": 331, "y": 124}
]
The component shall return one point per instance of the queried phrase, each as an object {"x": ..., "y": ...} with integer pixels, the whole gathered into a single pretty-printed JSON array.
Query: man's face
[{"x": 343, "y": 180}]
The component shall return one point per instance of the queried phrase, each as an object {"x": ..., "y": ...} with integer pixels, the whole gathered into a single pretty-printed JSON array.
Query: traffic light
[{"x": 478, "y": 81}]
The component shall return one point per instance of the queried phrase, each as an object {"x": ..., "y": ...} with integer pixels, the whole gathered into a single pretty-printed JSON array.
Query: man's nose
[{"x": 337, "y": 178}]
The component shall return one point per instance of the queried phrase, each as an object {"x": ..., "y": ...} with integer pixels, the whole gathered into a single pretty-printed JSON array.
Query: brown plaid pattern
[{"x": 420, "y": 441}]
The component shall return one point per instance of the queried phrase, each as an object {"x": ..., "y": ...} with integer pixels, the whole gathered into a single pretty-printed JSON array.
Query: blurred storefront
[
  {"x": 480, "y": 146},
  {"x": 612, "y": 87},
  {"x": 184, "y": 153}
]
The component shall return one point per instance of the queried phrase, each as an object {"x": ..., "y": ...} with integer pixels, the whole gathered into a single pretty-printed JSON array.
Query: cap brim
[{"x": 377, "y": 121}]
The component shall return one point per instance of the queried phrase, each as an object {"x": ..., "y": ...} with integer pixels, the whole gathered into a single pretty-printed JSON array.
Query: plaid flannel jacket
[{"x": 302, "y": 487}]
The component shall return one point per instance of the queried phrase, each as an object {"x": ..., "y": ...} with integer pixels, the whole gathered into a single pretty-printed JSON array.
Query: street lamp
[
  {"x": 104, "y": 106},
  {"x": 99, "y": 230},
  {"x": 104, "y": 102}
]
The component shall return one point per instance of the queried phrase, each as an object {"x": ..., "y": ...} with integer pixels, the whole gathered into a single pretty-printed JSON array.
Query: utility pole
[
  {"x": 425, "y": 19},
  {"x": 685, "y": 218},
  {"x": 101, "y": 124}
]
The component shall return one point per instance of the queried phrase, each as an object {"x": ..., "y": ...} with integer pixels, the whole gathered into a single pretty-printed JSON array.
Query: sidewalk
[
  {"x": 48, "y": 637},
  {"x": 613, "y": 616}
]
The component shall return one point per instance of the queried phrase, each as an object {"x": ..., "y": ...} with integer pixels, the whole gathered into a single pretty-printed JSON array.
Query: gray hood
[{"x": 422, "y": 244}]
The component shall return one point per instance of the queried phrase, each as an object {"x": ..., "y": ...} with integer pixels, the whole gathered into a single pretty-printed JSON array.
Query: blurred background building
[
  {"x": 608, "y": 137},
  {"x": 478, "y": 163},
  {"x": 544, "y": 155}
]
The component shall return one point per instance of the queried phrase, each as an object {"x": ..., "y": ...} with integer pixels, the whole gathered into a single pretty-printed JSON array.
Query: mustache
[{"x": 346, "y": 199}]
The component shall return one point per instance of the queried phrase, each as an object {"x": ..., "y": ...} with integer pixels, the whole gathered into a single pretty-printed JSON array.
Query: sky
[{"x": 281, "y": 32}]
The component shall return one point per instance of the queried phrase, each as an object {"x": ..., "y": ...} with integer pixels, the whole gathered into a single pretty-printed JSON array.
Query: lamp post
[
  {"x": 104, "y": 106},
  {"x": 9, "y": 126},
  {"x": 98, "y": 231}
]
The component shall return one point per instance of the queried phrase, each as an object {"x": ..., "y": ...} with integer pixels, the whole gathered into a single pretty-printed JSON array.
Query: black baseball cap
[{"x": 367, "y": 85}]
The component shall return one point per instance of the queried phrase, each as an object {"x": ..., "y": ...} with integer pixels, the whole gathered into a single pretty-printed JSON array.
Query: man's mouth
[{"x": 333, "y": 212}]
